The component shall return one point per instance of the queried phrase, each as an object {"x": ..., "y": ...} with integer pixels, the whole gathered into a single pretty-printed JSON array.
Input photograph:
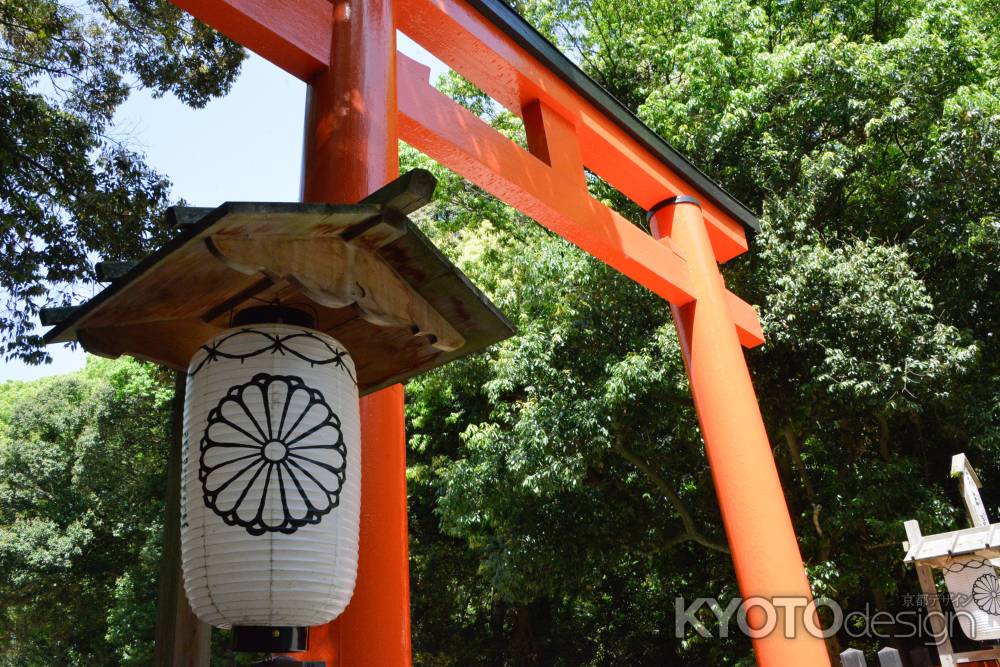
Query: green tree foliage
[
  {"x": 560, "y": 495},
  {"x": 70, "y": 188},
  {"x": 82, "y": 481}
]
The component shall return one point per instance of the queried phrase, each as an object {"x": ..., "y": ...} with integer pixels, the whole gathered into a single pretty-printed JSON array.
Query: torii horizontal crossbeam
[{"x": 296, "y": 35}]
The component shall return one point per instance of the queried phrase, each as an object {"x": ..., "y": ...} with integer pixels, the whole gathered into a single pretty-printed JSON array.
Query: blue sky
[{"x": 246, "y": 146}]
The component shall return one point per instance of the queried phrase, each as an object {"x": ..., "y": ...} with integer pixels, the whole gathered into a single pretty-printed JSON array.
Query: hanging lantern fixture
[{"x": 271, "y": 469}]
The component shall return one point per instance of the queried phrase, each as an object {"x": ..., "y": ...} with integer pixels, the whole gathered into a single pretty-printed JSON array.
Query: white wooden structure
[{"x": 966, "y": 558}]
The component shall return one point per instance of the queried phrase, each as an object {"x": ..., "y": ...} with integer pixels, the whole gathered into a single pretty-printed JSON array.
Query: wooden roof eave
[
  {"x": 168, "y": 304},
  {"x": 937, "y": 549}
]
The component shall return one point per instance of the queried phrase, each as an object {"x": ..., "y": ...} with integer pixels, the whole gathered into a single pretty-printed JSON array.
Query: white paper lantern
[
  {"x": 272, "y": 478},
  {"x": 975, "y": 593}
]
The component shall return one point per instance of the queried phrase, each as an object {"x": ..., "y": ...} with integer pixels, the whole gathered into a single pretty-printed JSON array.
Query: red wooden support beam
[
  {"x": 293, "y": 34},
  {"x": 747, "y": 321},
  {"x": 451, "y": 134},
  {"x": 553, "y": 194},
  {"x": 552, "y": 139},
  {"x": 475, "y": 48},
  {"x": 352, "y": 150},
  {"x": 759, "y": 530}
]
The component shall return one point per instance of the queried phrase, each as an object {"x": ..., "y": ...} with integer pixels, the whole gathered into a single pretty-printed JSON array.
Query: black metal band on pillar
[{"x": 670, "y": 201}]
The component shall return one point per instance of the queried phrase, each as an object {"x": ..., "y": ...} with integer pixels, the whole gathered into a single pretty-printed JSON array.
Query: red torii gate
[{"x": 364, "y": 96}]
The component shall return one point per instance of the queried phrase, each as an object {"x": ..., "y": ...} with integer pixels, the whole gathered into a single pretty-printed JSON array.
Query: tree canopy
[
  {"x": 82, "y": 481},
  {"x": 561, "y": 498},
  {"x": 71, "y": 186},
  {"x": 559, "y": 495}
]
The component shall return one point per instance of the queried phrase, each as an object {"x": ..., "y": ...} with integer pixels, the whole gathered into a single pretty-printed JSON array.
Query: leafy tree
[
  {"x": 82, "y": 481},
  {"x": 560, "y": 496},
  {"x": 71, "y": 189}
]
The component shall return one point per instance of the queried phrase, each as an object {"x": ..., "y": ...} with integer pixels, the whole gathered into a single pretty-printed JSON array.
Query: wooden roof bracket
[
  {"x": 375, "y": 282},
  {"x": 337, "y": 273}
]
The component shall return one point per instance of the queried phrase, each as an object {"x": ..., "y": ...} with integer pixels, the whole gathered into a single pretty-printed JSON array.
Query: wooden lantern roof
[
  {"x": 982, "y": 539},
  {"x": 938, "y": 550},
  {"x": 372, "y": 280}
]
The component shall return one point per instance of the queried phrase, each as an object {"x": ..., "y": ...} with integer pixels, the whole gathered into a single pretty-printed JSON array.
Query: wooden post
[
  {"x": 852, "y": 657},
  {"x": 968, "y": 486},
  {"x": 925, "y": 575},
  {"x": 352, "y": 150},
  {"x": 889, "y": 657},
  {"x": 181, "y": 639}
]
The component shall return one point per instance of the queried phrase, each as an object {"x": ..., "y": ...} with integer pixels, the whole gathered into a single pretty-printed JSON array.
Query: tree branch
[
  {"x": 691, "y": 532},
  {"x": 792, "y": 441}
]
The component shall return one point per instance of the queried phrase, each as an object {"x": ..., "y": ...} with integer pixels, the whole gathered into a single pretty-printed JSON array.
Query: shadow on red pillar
[
  {"x": 351, "y": 151},
  {"x": 375, "y": 629}
]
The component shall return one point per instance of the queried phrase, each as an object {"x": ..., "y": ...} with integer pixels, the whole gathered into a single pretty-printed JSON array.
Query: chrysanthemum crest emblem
[{"x": 273, "y": 457}]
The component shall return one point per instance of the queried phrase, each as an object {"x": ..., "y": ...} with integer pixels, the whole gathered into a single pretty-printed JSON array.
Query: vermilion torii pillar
[
  {"x": 758, "y": 528},
  {"x": 362, "y": 90},
  {"x": 351, "y": 150}
]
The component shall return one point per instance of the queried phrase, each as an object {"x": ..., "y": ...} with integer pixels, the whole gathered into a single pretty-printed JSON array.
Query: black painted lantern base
[
  {"x": 262, "y": 639},
  {"x": 274, "y": 315},
  {"x": 285, "y": 661}
]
